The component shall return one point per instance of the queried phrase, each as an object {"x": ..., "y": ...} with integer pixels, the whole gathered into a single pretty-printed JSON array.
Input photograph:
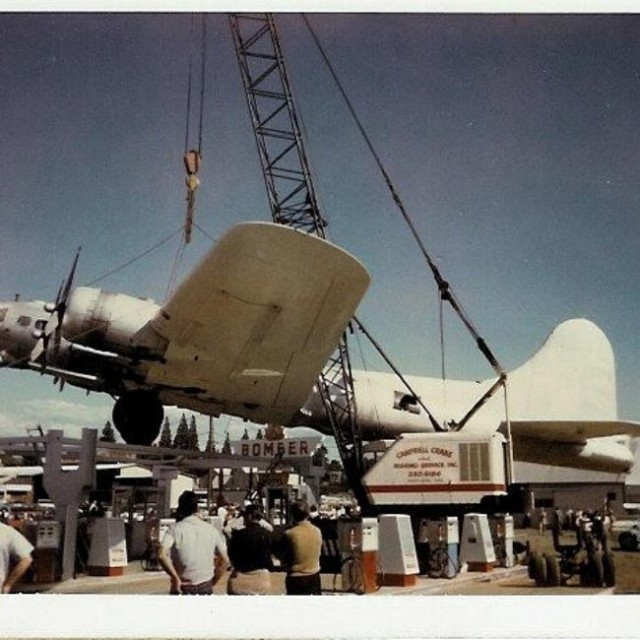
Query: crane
[{"x": 293, "y": 202}]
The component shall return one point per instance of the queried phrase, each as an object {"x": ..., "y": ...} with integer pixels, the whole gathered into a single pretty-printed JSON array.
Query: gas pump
[
  {"x": 476, "y": 548},
  {"x": 452, "y": 541},
  {"x": 108, "y": 550},
  {"x": 277, "y": 501},
  {"x": 502, "y": 532},
  {"x": 437, "y": 543},
  {"x": 358, "y": 547},
  {"x": 46, "y": 537}
]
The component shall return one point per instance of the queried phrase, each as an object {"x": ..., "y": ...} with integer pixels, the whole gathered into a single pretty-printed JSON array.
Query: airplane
[
  {"x": 250, "y": 329},
  {"x": 246, "y": 333},
  {"x": 562, "y": 404}
]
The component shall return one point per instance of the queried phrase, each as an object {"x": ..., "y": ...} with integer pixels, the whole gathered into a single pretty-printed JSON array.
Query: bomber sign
[{"x": 287, "y": 448}]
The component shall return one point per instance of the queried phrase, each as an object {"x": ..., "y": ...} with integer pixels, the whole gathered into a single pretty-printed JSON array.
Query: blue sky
[{"x": 513, "y": 140}]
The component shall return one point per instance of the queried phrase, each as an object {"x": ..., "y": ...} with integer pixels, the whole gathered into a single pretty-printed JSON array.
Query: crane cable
[
  {"x": 192, "y": 154},
  {"x": 203, "y": 54},
  {"x": 443, "y": 286},
  {"x": 446, "y": 294}
]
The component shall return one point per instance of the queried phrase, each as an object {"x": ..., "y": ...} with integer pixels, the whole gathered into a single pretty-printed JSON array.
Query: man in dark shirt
[
  {"x": 302, "y": 547},
  {"x": 250, "y": 556}
]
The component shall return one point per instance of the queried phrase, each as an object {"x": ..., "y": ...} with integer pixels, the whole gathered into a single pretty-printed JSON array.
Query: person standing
[
  {"x": 233, "y": 522},
  {"x": 15, "y": 557},
  {"x": 238, "y": 521},
  {"x": 542, "y": 521},
  {"x": 301, "y": 553},
  {"x": 250, "y": 556},
  {"x": 193, "y": 553}
]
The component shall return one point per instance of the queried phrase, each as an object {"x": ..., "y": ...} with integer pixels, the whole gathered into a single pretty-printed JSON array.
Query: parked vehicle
[{"x": 629, "y": 536}]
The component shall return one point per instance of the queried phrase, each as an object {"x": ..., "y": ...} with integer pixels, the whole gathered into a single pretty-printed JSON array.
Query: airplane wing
[
  {"x": 251, "y": 328},
  {"x": 571, "y": 431}
]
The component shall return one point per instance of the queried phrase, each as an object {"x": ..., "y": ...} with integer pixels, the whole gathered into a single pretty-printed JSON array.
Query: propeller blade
[
  {"x": 57, "y": 339},
  {"x": 72, "y": 273},
  {"x": 61, "y": 306},
  {"x": 54, "y": 324},
  {"x": 50, "y": 307}
]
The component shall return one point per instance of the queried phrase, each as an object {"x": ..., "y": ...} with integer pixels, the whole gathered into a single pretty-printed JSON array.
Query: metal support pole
[{"x": 67, "y": 489}]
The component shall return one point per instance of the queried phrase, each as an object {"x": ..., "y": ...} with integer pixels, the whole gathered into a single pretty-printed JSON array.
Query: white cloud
[
  {"x": 12, "y": 426},
  {"x": 63, "y": 410},
  {"x": 71, "y": 417}
]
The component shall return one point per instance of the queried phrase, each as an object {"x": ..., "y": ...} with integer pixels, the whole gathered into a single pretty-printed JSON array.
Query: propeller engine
[{"x": 51, "y": 336}]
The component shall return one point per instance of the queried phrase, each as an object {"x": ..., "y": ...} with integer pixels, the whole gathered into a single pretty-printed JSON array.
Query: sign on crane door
[{"x": 439, "y": 468}]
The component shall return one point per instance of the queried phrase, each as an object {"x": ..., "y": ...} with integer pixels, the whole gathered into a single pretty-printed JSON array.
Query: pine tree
[
  {"x": 108, "y": 433},
  {"x": 194, "y": 445},
  {"x": 165, "y": 434},
  {"x": 181, "y": 439},
  {"x": 319, "y": 457},
  {"x": 274, "y": 432},
  {"x": 226, "y": 447},
  {"x": 210, "y": 446}
]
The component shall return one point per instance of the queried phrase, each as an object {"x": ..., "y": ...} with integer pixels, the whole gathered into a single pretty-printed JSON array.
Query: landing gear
[
  {"x": 589, "y": 559},
  {"x": 538, "y": 569},
  {"x": 554, "y": 575},
  {"x": 137, "y": 415}
]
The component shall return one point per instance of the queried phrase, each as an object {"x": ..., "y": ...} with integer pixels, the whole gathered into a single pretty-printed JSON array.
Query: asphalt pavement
[{"x": 136, "y": 581}]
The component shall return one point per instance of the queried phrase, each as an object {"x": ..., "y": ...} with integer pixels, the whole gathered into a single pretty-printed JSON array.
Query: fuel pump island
[{"x": 442, "y": 502}]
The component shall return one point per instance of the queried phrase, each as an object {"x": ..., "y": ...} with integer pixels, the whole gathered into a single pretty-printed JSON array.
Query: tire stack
[
  {"x": 597, "y": 570},
  {"x": 545, "y": 570}
]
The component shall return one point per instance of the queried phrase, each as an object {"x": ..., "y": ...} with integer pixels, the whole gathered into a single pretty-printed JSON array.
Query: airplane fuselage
[
  {"x": 93, "y": 349},
  {"x": 20, "y": 323},
  {"x": 249, "y": 340},
  {"x": 561, "y": 403}
]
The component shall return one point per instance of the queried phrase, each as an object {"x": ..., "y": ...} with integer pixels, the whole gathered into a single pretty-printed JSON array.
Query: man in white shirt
[
  {"x": 15, "y": 556},
  {"x": 193, "y": 552}
]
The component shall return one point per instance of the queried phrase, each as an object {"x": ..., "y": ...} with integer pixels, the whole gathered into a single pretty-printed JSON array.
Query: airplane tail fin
[{"x": 571, "y": 377}]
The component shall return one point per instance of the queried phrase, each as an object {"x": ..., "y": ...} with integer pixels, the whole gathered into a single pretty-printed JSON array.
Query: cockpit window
[
  {"x": 3, "y": 313},
  {"x": 40, "y": 324},
  {"x": 24, "y": 321}
]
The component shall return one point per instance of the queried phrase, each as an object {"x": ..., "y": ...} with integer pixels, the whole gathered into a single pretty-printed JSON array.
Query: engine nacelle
[{"x": 109, "y": 321}]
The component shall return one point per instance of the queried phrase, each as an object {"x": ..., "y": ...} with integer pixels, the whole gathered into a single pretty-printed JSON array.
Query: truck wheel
[
  {"x": 627, "y": 541},
  {"x": 609, "y": 570},
  {"x": 540, "y": 571},
  {"x": 531, "y": 565},
  {"x": 553, "y": 571}
]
